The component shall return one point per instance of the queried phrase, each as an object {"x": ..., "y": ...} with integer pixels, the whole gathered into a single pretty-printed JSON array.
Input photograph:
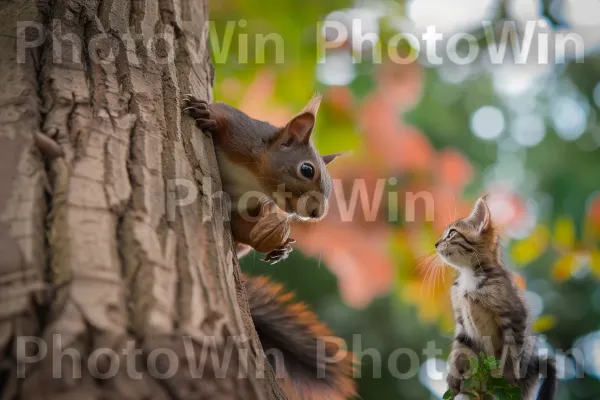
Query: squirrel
[
  {"x": 271, "y": 174},
  {"x": 260, "y": 159},
  {"x": 315, "y": 364}
]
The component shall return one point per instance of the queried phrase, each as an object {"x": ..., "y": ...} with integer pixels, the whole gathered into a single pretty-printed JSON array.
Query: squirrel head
[{"x": 294, "y": 171}]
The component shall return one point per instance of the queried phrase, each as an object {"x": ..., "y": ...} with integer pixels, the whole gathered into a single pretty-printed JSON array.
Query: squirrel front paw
[
  {"x": 280, "y": 253},
  {"x": 271, "y": 235},
  {"x": 198, "y": 109}
]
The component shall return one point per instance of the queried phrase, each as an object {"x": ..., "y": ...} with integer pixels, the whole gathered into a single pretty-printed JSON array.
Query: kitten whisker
[
  {"x": 425, "y": 283},
  {"x": 454, "y": 199},
  {"x": 443, "y": 276},
  {"x": 429, "y": 252},
  {"x": 437, "y": 276},
  {"x": 426, "y": 261}
]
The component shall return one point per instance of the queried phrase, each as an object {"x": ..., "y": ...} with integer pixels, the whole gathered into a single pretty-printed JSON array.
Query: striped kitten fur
[{"x": 489, "y": 309}]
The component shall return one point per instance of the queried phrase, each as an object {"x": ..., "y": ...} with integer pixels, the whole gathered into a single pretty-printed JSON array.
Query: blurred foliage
[
  {"x": 484, "y": 383},
  {"x": 410, "y": 128}
]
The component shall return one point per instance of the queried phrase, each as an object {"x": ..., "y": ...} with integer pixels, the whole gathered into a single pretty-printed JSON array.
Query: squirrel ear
[
  {"x": 330, "y": 157},
  {"x": 313, "y": 104},
  {"x": 480, "y": 215},
  {"x": 299, "y": 129}
]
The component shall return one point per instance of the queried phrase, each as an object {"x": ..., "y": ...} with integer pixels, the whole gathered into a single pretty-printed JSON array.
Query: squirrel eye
[{"x": 307, "y": 170}]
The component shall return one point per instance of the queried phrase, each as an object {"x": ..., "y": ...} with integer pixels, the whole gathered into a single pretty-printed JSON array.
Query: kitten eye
[
  {"x": 451, "y": 233},
  {"x": 307, "y": 170}
]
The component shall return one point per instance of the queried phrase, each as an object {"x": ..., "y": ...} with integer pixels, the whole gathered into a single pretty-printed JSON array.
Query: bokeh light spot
[
  {"x": 528, "y": 130},
  {"x": 569, "y": 117},
  {"x": 487, "y": 123},
  {"x": 597, "y": 94},
  {"x": 336, "y": 69}
]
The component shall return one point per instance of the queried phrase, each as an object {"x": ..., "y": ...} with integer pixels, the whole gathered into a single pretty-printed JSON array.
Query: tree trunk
[{"x": 115, "y": 280}]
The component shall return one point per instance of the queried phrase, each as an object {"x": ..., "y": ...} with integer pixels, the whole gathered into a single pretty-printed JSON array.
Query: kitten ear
[{"x": 480, "y": 215}]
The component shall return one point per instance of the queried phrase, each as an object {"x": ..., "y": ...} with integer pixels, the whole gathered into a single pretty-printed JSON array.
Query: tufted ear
[
  {"x": 330, "y": 157},
  {"x": 313, "y": 104},
  {"x": 300, "y": 128},
  {"x": 480, "y": 215}
]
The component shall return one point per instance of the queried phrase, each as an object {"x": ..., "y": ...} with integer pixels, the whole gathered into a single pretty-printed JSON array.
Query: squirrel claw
[
  {"x": 198, "y": 109},
  {"x": 276, "y": 256},
  {"x": 280, "y": 253},
  {"x": 190, "y": 98},
  {"x": 190, "y": 101},
  {"x": 197, "y": 113}
]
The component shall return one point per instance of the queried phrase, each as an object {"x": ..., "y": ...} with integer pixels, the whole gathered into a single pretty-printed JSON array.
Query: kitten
[{"x": 489, "y": 309}]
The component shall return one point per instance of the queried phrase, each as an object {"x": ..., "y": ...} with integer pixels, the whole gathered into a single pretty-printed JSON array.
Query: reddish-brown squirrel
[
  {"x": 314, "y": 364},
  {"x": 256, "y": 157},
  {"x": 261, "y": 164}
]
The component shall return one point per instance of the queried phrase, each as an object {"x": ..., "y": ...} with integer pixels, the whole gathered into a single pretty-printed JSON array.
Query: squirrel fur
[
  {"x": 257, "y": 157},
  {"x": 305, "y": 345},
  {"x": 263, "y": 164}
]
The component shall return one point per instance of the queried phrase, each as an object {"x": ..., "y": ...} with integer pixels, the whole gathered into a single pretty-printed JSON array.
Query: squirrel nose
[{"x": 313, "y": 210}]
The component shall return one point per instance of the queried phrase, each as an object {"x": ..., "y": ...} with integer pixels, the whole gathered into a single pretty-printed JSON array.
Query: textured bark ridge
[{"x": 95, "y": 256}]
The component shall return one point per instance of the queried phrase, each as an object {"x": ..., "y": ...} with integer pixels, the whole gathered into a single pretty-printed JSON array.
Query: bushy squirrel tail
[{"x": 298, "y": 346}]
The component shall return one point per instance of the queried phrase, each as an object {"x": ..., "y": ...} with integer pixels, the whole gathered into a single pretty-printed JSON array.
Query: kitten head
[{"x": 470, "y": 242}]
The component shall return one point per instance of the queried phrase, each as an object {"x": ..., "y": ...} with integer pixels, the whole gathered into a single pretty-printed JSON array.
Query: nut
[{"x": 270, "y": 232}]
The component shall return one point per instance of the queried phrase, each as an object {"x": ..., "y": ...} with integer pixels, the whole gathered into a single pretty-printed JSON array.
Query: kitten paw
[
  {"x": 454, "y": 384},
  {"x": 509, "y": 340},
  {"x": 462, "y": 396}
]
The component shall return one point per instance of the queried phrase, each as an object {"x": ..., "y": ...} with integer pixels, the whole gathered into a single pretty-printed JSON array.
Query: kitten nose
[{"x": 437, "y": 244}]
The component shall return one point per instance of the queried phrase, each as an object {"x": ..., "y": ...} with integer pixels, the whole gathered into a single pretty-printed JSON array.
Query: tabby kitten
[{"x": 489, "y": 309}]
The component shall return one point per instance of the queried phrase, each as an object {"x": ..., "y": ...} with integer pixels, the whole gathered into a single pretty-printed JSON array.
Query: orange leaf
[
  {"x": 397, "y": 146},
  {"x": 356, "y": 255},
  {"x": 564, "y": 267},
  {"x": 594, "y": 208},
  {"x": 401, "y": 85},
  {"x": 592, "y": 222},
  {"x": 454, "y": 169},
  {"x": 519, "y": 280},
  {"x": 340, "y": 97}
]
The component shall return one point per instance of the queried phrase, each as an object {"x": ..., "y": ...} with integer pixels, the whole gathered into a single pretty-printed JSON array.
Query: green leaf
[
  {"x": 362, "y": 85},
  {"x": 474, "y": 363},
  {"x": 449, "y": 395},
  {"x": 491, "y": 363},
  {"x": 472, "y": 382}
]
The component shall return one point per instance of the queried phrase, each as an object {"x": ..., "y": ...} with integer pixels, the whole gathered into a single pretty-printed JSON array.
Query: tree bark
[{"x": 132, "y": 292}]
